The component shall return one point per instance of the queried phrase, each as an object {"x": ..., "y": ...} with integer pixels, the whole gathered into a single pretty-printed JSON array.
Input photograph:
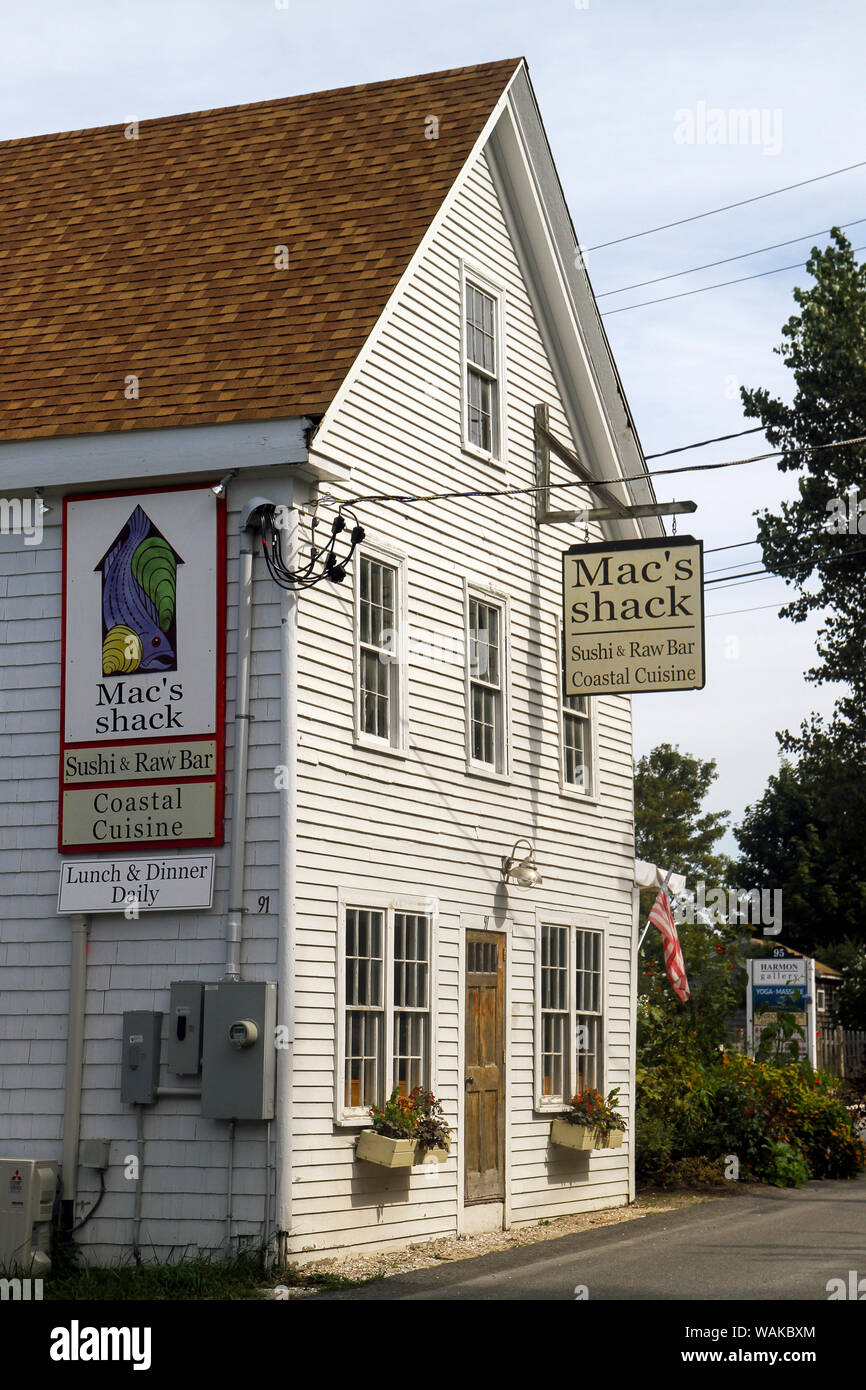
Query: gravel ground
[{"x": 432, "y": 1252}]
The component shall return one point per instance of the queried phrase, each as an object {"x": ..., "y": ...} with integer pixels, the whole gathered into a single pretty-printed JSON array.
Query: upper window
[
  {"x": 387, "y": 965},
  {"x": 578, "y": 769},
  {"x": 487, "y": 707},
  {"x": 570, "y": 1004},
  {"x": 380, "y": 671},
  {"x": 482, "y": 352}
]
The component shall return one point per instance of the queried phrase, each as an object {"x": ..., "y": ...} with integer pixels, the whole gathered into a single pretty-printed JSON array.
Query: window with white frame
[
  {"x": 387, "y": 955},
  {"x": 379, "y": 679},
  {"x": 485, "y": 649},
  {"x": 482, "y": 352},
  {"x": 577, "y": 743},
  {"x": 570, "y": 1009}
]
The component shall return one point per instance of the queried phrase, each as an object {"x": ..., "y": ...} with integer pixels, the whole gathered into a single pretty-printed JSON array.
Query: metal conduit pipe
[
  {"x": 234, "y": 922},
  {"x": 80, "y": 931}
]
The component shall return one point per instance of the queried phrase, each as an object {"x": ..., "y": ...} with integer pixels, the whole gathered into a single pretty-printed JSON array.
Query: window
[
  {"x": 570, "y": 1013},
  {"x": 485, "y": 651},
  {"x": 577, "y": 740},
  {"x": 386, "y": 970},
  {"x": 821, "y": 1000},
  {"x": 482, "y": 351},
  {"x": 380, "y": 670}
]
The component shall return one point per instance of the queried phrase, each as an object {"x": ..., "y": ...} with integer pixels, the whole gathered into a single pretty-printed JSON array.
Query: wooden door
[{"x": 484, "y": 1114}]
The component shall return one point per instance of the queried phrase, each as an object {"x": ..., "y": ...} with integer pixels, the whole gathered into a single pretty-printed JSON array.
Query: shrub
[{"x": 785, "y": 1166}]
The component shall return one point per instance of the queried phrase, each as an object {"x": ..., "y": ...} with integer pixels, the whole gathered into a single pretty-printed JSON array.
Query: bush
[{"x": 776, "y": 1119}]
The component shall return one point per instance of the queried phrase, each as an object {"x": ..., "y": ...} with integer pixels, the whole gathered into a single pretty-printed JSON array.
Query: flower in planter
[
  {"x": 418, "y": 1116},
  {"x": 590, "y": 1109}
]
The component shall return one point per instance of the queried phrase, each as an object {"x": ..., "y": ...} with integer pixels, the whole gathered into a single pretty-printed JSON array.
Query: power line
[
  {"x": 719, "y": 285},
  {"x": 756, "y": 609},
  {"x": 719, "y": 439},
  {"x": 744, "y": 255},
  {"x": 594, "y": 482},
  {"x": 696, "y": 217},
  {"x": 737, "y": 545}
]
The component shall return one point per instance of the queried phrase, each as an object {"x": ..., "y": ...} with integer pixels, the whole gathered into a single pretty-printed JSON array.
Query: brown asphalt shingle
[{"x": 155, "y": 257}]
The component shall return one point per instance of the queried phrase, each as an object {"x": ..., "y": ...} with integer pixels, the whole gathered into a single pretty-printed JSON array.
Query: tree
[
  {"x": 673, "y": 830},
  {"x": 821, "y": 535},
  {"x": 804, "y": 837},
  {"x": 670, "y": 826}
]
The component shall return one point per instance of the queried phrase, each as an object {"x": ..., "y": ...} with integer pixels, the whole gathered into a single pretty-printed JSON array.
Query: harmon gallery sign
[
  {"x": 142, "y": 713},
  {"x": 634, "y": 616}
]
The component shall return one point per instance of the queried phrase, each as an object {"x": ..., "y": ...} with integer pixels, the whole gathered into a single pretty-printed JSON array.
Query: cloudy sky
[{"x": 635, "y": 98}]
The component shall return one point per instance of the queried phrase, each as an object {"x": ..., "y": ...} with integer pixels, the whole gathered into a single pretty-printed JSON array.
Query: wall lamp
[
  {"x": 42, "y": 506},
  {"x": 219, "y": 489},
  {"x": 523, "y": 871}
]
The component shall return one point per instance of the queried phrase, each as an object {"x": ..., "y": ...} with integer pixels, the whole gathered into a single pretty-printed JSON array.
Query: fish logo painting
[{"x": 139, "y": 600}]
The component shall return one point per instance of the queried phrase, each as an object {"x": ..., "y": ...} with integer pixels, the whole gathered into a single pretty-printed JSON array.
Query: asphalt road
[{"x": 770, "y": 1244}]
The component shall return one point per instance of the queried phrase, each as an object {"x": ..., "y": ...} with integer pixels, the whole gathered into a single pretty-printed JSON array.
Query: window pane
[
  {"x": 553, "y": 1033},
  {"x": 410, "y": 1051},
  {"x": 587, "y": 1057},
  {"x": 480, "y": 411},
  {"x": 588, "y": 960},
  {"x": 363, "y": 1059}
]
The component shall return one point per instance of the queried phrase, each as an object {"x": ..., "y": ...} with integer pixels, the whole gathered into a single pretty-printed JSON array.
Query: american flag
[{"x": 662, "y": 917}]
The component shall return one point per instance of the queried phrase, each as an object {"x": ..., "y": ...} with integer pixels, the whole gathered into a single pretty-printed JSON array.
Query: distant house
[{"x": 371, "y": 291}]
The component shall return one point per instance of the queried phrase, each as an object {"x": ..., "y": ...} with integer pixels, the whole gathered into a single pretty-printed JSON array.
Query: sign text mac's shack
[
  {"x": 633, "y": 616},
  {"x": 141, "y": 760}
]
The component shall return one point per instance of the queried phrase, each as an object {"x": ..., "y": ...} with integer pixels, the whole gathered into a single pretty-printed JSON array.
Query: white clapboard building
[{"x": 374, "y": 292}]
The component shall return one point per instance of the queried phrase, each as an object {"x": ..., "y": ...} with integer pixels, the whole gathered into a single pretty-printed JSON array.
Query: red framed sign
[{"x": 142, "y": 714}]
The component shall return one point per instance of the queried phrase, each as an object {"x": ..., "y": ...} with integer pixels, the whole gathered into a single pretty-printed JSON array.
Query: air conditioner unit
[{"x": 27, "y": 1190}]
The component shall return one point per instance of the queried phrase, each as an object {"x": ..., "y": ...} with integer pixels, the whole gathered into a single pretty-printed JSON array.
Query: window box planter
[
  {"x": 388, "y": 1153},
  {"x": 432, "y": 1156},
  {"x": 579, "y": 1137}
]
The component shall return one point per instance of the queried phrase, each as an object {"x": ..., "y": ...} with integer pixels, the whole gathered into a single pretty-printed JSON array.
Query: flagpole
[{"x": 647, "y": 927}]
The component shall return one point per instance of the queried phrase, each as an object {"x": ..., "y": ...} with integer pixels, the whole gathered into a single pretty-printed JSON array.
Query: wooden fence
[{"x": 842, "y": 1052}]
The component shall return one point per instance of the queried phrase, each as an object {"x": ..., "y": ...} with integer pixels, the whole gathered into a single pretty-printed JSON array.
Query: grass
[{"x": 198, "y": 1278}]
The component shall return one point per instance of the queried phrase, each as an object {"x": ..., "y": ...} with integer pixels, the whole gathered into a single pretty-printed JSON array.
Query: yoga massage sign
[{"x": 142, "y": 736}]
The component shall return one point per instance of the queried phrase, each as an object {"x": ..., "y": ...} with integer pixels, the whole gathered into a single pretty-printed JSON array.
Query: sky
[{"x": 637, "y": 100}]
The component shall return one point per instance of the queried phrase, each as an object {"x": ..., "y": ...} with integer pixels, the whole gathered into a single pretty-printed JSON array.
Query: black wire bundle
[{"x": 323, "y": 562}]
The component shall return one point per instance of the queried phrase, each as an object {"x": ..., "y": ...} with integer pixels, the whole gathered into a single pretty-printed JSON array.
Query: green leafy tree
[
  {"x": 804, "y": 838},
  {"x": 673, "y": 830},
  {"x": 811, "y": 537}
]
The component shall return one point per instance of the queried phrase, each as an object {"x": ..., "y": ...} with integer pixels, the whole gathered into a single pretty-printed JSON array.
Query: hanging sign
[
  {"x": 143, "y": 703},
  {"x": 634, "y": 616},
  {"x": 119, "y": 885}
]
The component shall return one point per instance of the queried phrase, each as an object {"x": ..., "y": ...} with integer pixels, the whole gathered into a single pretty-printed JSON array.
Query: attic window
[{"x": 483, "y": 369}]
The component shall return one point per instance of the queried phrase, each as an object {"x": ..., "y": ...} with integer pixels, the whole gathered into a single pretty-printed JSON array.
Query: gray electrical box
[
  {"x": 139, "y": 1072},
  {"x": 184, "y": 1027},
  {"x": 239, "y": 1053}
]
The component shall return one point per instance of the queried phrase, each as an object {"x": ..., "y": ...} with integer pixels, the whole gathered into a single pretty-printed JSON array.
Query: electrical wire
[
  {"x": 737, "y": 545},
  {"x": 726, "y": 260},
  {"x": 595, "y": 482},
  {"x": 712, "y": 212},
  {"x": 719, "y": 439},
  {"x": 323, "y": 562},
  {"x": 729, "y": 613},
  {"x": 719, "y": 285}
]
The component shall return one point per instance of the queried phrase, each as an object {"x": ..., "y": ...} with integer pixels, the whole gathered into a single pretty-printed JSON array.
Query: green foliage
[
  {"x": 395, "y": 1120},
  {"x": 734, "y": 1105},
  {"x": 418, "y": 1116},
  {"x": 693, "y": 1172},
  {"x": 671, "y": 827},
  {"x": 785, "y": 1166},
  {"x": 714, "y": 957},
  {"x": 825, "y": 349},
  {"x": 590, "y": 1109},
  {"x": 430, "y": 1131},
  {"x": 804, "y": 835},
  {"x": 849, "y": 1000},
  {"x": 200, "y": 1278},
  {"x": 785, "y": 1038}
]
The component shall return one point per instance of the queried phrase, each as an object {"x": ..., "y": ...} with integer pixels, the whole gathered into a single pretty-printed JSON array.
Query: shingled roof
[{"x": 155, "y": 256}]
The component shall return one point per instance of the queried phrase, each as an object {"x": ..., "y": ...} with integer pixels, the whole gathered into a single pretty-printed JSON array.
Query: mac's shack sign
[
  {"x": 142, "y": 715},
  {"x": 634, "y": 616}
]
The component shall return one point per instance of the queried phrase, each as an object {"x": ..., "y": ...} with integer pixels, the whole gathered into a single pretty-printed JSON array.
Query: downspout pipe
[
  {"x": 80, "y": 931},
  {"x": 287, "y": 926},
  {"x": 234, "y": 922}
]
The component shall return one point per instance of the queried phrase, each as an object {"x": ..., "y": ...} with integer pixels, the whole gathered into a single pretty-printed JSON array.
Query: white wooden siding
[{"x": 421, "y": 824}]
